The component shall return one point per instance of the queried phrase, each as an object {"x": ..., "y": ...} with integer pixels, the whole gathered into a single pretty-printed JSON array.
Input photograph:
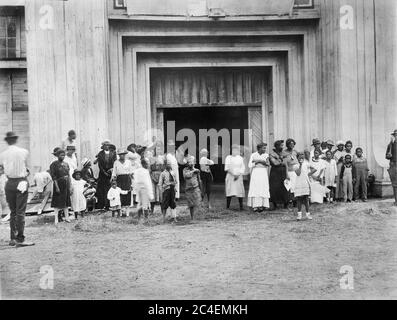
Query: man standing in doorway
[
  {"x": 14, "y": 161},
  {"x": 391, "y": 154}
]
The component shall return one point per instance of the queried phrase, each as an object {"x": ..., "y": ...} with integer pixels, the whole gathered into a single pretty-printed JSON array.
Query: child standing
[
  {"x": 360, "y": 175},
  {"x": 302, "y": 185},
  {"x": 330, "y": 175},
  {"x": 346, "y": 177},
  {"x": 206, "y": 174},
  {"x": 144, "y": 189},
  {"x": 192, "y": 186},
  {"x": 167, "y": 183},
  {"x": 114, "y": 198},
  {"x": 79, "y": 202},
  {"x": 339, "y": 155}
]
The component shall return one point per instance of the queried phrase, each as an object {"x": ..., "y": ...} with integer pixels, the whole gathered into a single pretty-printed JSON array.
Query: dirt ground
[{"x": 221, "y": 255}]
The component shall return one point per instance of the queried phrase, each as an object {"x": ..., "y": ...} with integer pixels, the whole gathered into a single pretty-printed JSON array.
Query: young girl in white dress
[
  {"x": 259, "y": 194},
  {"x": 78, "y": 199},
  {"x": 302, "y": 186}
]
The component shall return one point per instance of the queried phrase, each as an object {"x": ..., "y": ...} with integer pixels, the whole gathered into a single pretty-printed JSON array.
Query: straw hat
[{"x": 10, "y": 135}]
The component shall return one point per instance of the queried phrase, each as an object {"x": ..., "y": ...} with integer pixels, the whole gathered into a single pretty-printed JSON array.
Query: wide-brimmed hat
[
  {"x": 54, "y": 152},
  {"x": 58, "y": 152},
  {"x": 330, "y": 142},
  {"x": 105, "y": 142},
  {"x": 85, "y": 161},
  {"x": 10, "y": 135},
  {"x": 122, "y": 151},
  {"x": 77, "y": 171},
  {"x": 316, "y": 141},
  {"x": 340, "y": 143},
  {"x": 394, "y": 133}
]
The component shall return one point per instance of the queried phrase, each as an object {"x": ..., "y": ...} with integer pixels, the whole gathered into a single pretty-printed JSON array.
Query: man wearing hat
[
  {"x": 15, "y": 163},
  {"x": 391, "y": 155}
]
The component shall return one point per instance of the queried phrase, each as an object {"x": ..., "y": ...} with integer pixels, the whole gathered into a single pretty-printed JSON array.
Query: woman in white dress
[
  {"x": 258, "y": 194},
  {"x": 317, "y": 189},
  {"x": 234, "y": 167}
]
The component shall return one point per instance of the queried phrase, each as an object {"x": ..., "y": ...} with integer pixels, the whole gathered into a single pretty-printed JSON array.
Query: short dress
[{"x": 302, "y": 182}]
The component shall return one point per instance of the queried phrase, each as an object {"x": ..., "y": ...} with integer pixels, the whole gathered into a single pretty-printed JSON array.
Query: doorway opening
[{"x": 217, "y": 118}]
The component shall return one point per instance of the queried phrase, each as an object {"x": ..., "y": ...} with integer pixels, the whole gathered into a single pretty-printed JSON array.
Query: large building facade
[{"x": 123, "y": 69}]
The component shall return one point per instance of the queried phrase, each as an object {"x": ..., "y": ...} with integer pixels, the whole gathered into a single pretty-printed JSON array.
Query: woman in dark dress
[
  {"x": 106, "y": 159},
  {"x": 278, "y": 173},
  {"x": 59, "y": 171}
]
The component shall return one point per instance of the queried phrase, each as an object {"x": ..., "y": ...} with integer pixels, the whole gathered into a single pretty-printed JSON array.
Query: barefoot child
[
  {"x": 330, "y": 175},
  {"x": 302, "y": 185},
  {"x": 167, "y": 183},
  {"x": 114, "y": 198},
  {"x": 360, "y": 175},
  {"x": 144, "y": 189},
  {"x": 192, "y": 186},
  {"x": 79, "y": 202},
  {"x": 346, "y": 177}
]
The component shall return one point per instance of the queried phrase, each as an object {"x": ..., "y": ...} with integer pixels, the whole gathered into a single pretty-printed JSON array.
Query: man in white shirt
[
  {"x": 15, "y": 163},
  {"x": 70, "y": 141}
]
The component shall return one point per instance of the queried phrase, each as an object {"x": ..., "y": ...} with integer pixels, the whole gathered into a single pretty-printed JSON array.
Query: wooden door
[
  {"x": 255, "y": 127},
  {"x": 14, "y": 105}
]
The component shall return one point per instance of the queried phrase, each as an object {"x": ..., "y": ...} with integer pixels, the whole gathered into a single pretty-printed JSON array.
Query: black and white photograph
[{"x": 186, "y": 150}]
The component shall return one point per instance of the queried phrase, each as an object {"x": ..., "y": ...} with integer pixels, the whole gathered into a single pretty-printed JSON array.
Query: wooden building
[{"x": 119, "y": 69}]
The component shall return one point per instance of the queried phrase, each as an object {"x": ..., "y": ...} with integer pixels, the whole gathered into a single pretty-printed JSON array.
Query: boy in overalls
[
  {"x": 346, "y": 177},
  {"x": 360, "y": 175}
]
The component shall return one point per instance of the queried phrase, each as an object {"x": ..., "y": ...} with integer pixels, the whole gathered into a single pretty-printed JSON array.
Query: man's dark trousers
[{"x": 17, "y": 202}]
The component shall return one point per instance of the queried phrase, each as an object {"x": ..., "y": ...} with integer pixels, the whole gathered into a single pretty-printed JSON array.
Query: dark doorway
[{"x": 196, "y": 118}]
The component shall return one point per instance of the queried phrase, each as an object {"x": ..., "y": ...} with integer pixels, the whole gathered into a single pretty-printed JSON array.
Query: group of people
[
  {"x": 327, "y": 172},
  {"x": 146, "y": 176}
]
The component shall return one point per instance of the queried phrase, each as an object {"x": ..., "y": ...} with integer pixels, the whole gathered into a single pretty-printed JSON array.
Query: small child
[
  {"x": 114, "y": 198},
  {"x": 144, "y": 189},
  {"x": 330, "y": 175},
  {"x": 89, "y": 194},
  {"x": 346, "y": 177},
  {"x": 167, "y": 183},
  {"x": 360, "y": 175},
  {"x": 4, "y": 210},
  {"x": 302, "y": 186},
  {"x": 192, "y": 186},
  {"x": 79, "y": 202}
]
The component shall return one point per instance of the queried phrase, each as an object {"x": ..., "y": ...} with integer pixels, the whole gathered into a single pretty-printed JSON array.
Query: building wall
[
  {"x": 75, "y": 81},
  {"x": 67, "y": 75},
  {"x": 357, "y": 45}
]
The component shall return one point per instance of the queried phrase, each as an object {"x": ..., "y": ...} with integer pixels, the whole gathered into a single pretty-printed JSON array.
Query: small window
[
  {"x": 304, "y": 4},
  {"x": 119, "y": 4},
  {"x": 8, "y": 37}
]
